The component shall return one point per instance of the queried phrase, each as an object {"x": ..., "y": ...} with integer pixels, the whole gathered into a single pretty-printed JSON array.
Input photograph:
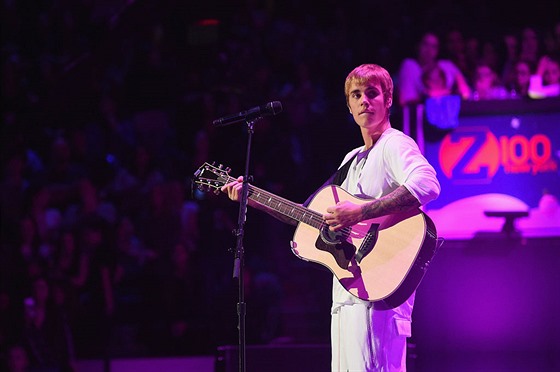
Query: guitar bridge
[{"x": 368, "y": 243}]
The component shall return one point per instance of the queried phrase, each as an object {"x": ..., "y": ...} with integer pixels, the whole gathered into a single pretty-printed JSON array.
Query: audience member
[
  {"x": 134, "y": 178},
  {"x": 442, "y": 107},
  {"x": 46, "y": 332},
  {"x": 97, "y": 285},
  {"x": 17, "y": 359},
  {"x": 546, "y": 81},
  {"x": 159, "y": 223},
  {"x": 133, "y": 260},
  {"x": 14, "y": 187},
  {"x": 529, "y": 45},
  {"x": 64, "y": 274},
  {"x": 553, "y": 47},
  {"x": 10, "y": 319},
  {"x": 435, "y": 82},
  {"x": 491, "y": 57},
  {"x": 518, "y": 81},
  {"x": 455, "y": 50},
  {"x": 473, "y": 55},
  {"x": 511, "y": 46},
  {"x": 410, "y": 87},
  {"x": 179, "y": 297},
  {"x": 487, "y": 85}
]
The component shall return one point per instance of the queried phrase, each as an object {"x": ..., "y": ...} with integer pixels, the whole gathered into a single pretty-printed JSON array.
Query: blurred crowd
[
  {"x": 453, "y": 67},
  {"x": 107, "y": 112},
  {"x": 520, "y": 65}
]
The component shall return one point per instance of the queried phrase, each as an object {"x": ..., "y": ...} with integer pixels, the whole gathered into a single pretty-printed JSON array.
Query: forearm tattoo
[{"x": 400, "y": 200}]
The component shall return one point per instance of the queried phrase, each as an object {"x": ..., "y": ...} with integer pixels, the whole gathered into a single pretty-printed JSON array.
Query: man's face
[{"x": 367, "y": 105}]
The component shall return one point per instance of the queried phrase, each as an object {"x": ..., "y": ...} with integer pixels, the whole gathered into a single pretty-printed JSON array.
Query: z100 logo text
[{"x": 476, "y": 154}]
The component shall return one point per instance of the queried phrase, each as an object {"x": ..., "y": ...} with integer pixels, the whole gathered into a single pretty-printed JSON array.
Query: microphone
[{"x": 271, "y": 108}]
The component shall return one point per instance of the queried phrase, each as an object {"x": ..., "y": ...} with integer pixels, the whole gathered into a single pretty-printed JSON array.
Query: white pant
[{"x": 368, "y": 340}]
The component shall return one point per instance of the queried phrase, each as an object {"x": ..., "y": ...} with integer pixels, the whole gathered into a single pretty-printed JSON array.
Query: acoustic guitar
[{"x": 382, "y": 260}]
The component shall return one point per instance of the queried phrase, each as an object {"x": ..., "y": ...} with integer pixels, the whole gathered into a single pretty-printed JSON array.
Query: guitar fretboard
[{"x": 287, "y": 208}]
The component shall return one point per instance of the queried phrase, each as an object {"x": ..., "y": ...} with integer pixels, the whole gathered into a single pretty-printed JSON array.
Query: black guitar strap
[
  {"x": 336, "y": 179},
  {"x": 340, "y": 175}
]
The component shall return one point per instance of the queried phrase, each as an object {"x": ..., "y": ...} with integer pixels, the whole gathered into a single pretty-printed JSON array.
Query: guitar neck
[{"x": 283, "y": 206}]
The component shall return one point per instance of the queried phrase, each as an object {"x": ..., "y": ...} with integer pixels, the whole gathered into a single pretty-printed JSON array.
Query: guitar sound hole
[{"x": 333, "y": 237}]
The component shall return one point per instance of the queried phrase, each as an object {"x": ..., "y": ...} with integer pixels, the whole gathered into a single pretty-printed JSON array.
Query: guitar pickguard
[{"x": 336, "y": 243}]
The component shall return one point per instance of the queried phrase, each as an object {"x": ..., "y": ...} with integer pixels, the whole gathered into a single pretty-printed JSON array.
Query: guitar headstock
[{"x": 211, "y": 178}]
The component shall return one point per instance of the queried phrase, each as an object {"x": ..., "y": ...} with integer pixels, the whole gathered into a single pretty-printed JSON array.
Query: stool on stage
[{"x": 510, "y": 216}]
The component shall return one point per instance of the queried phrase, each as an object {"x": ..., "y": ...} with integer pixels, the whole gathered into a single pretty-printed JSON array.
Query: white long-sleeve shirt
[{"x": 394, "y": 160}]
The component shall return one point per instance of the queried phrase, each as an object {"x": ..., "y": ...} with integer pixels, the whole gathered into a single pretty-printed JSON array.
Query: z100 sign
[{"x": 517, "y": 156}]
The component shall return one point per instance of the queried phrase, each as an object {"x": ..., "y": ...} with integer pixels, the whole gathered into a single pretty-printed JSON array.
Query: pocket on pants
[{"x": 404, "y": 327}]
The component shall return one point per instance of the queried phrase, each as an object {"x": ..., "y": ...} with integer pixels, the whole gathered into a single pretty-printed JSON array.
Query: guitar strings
[{"x": 315, "y": 217}]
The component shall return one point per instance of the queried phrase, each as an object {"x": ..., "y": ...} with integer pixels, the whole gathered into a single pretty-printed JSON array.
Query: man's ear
[{"x": 389, "y": 102}]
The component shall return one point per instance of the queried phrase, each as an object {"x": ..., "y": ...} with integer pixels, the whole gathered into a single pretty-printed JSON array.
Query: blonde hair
[{"x": 370, "y": 73}]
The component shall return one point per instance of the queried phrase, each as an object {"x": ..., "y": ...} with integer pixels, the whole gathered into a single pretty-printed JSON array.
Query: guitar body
[{"x": 380, "y": 260}]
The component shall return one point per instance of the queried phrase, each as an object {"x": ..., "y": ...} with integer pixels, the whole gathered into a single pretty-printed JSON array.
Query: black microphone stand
[{"x": 239, "y": 259}]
